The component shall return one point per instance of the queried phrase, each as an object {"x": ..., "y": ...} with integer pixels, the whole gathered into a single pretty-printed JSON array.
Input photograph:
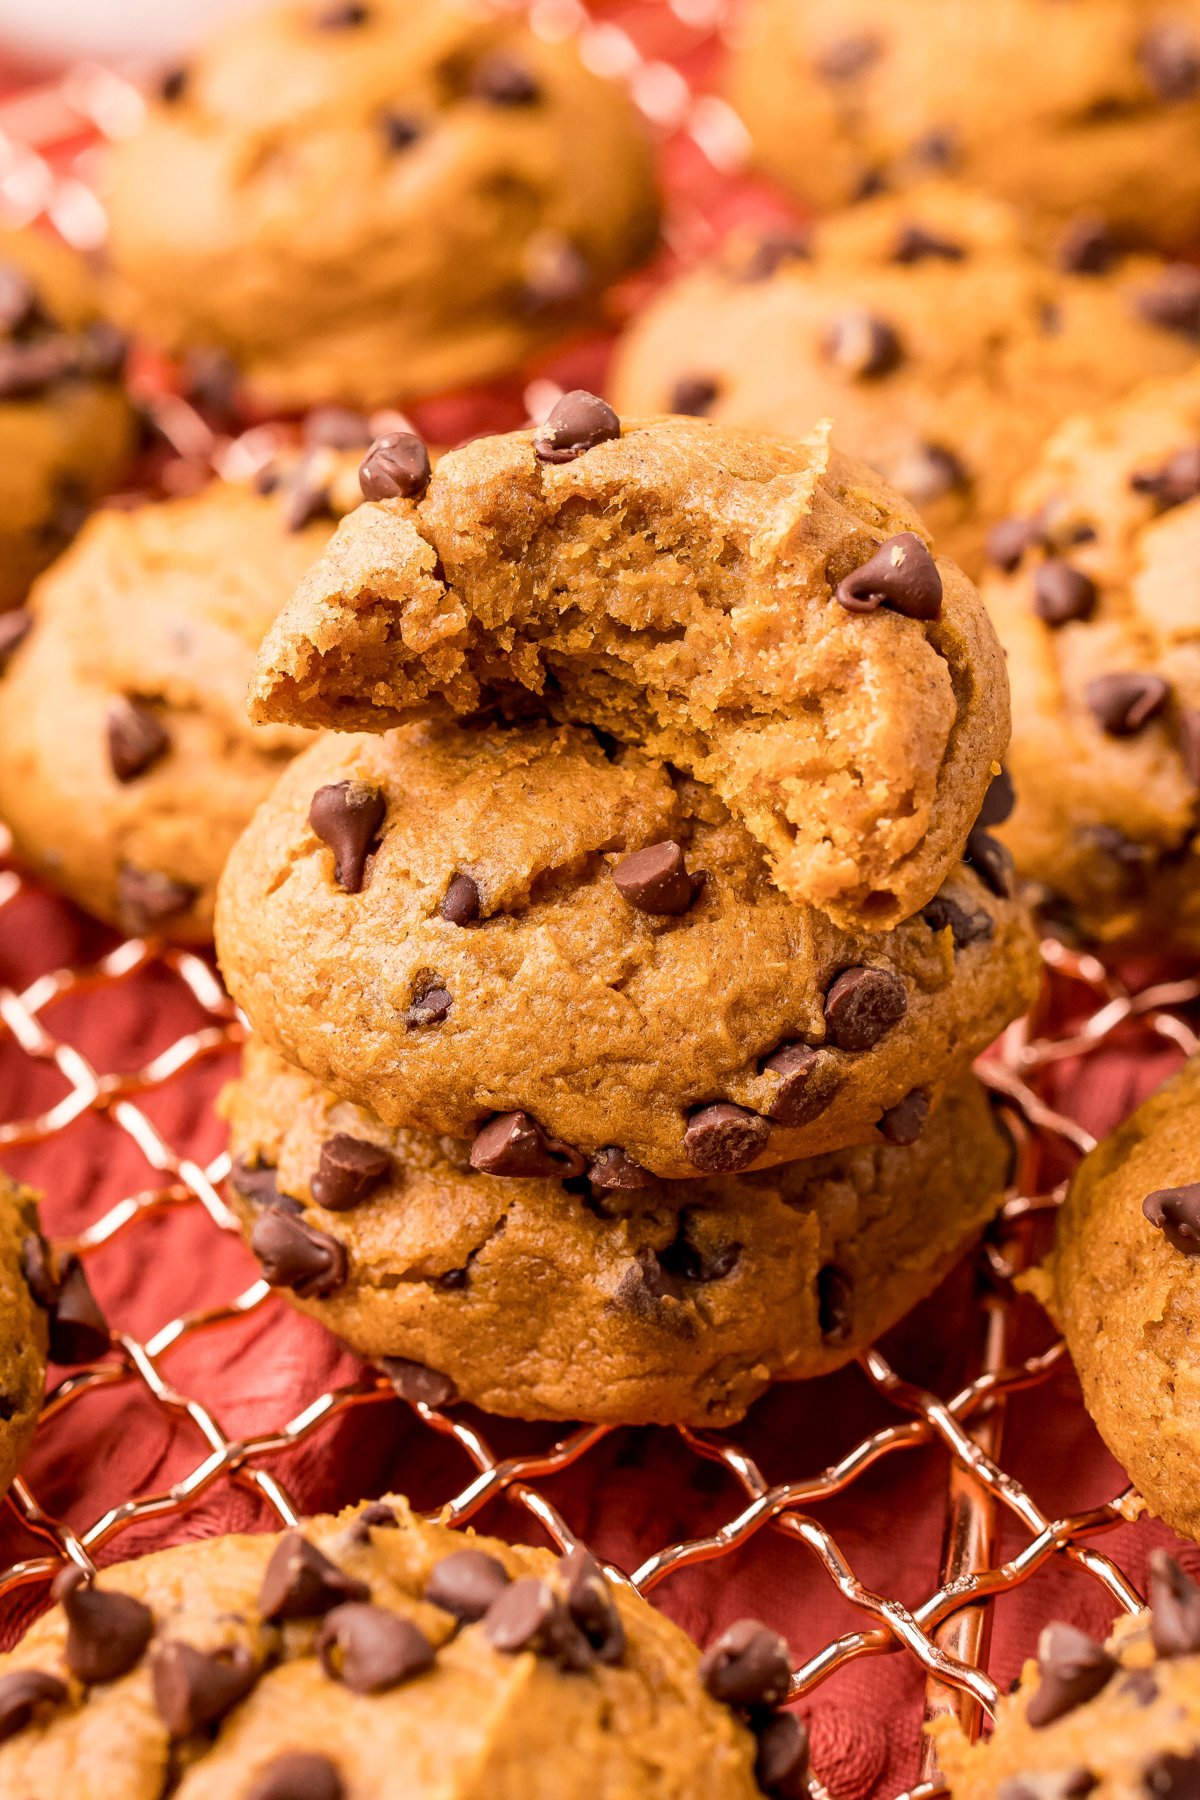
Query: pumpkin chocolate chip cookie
[
  {"x": 1126, "y": 1290},
  {"x": 1081, "y": 112},
  {"x": 28, "y": 1286},
  {"x": 566, "y": 951},
  {"x": 127, "y": 765},
  {"x": 1095, "y": 600},
  {"x": 762, "y": 613},
  {"x": 369, "y": 202},
  {"x": 943, "y": 345},
  {"x": 372, "y": 1654},
  {"x": 690, "y": 1296}
]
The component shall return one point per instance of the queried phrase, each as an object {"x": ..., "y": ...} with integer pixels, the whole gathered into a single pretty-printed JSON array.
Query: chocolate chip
[
  {"x": 652, "y": 1293},
  {"x": 15, "y": 627},
  {"x": 37, "y": 1267},
  {"x": 781, "y": 1762},
  {"x": 370, "y": 1649},
  {"x": 28, "y": 368},
  {"x": 297, "y": 1256},
  {"x": 929, "y": 472},
  {"x": 656, "y": 880},
  {"x": 528, "y": 1615},
  {"x": 1175, "y": 1211},
  {"x": 1188, "y": 725},
  {"x": 1062, "y": 595},
  {"x": 396, "y": 467},
  {"x": 1141, "y": 1685},
  {"x": 461, "y": 904},
  {"x": 1124, "y": 703},
  {"x": 298, "y": 1775},
  {"x": 694, "y": 395},
  {"x": 502, "y": 80},
  {"x": 802, "y": 1094},
  {"x": 999, "y": 800},
  {"x": 903, "y": 1123},
  {"x": 862, "y": 345},
  {"x": 611, "y": 1168},
  {"x": 347, "y": 816},
  {"x": 400, "y": 130},
  {"x": 591, "y": 1605},
  {"x": 345, "y": 15},
  {"x": 834, "y": 1313},
  {"x": 990, "y": 861},
  {"x": 556, "y": 273},
  {"x": 336, "y": 428},
  {"x": 78, "y": 1332},
  {"x": 136, "y": 739},
  {"x": 1008, "y": 540},
  {"x": 18, "y": 299},
  {"x": 300, "y": 1582},
  {"x": 862, "y": 1004},
  {"x": 965, "y": 927},
  {"x": 417, "y": 1383},
  {"x": 901, "y": 575},
  {"x": 772, "y": 251},
  {"x": 103, "y": 351},
  {"x": 843, "y": 58},
  {"x": 1169, "y": 1776},
  {"x": 722, "y": 1138},
  {"x": 193, "y": 1688},
  {"x": 172, "y": 85},
  {"x": 465, "y": 1583},
  {"x": 1176, "y": 481},
  {"x": 1170, "y": 60},
  {"x": 210, "y": 380},
  {"x": 22, "y": 1694},
  {"x": 306, "y": 495},
  {"x": 260, "y": 1185},
  {"x": 513, "y": 1143},
  {"x": 935, "y": 149},
  {"x": 579, "y": 422},
  {"x": 348, "y": 1170},
  {"x": 430, "y": 1007},
  {"x": 1174, "y": 1607},
  {"x": 748, "y": 1666},
  {"x": 377, "y": 1516},
  {"x": 1173, "y": 302},
  {"x": 147, "y": 900},
  {"x": 107, "y": 1632},
  {"x": 1072, "y": 1669},
  {"x": 915, "y": 244},
  {"x": 1087, "y": 247}
]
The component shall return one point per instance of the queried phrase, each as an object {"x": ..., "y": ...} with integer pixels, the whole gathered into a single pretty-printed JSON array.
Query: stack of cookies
[{"x": 617, "y": 955}]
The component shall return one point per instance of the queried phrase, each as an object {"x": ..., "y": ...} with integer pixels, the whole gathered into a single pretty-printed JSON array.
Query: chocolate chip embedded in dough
[
  {"x": 503, "y": 80},
  {"x": 465, "y": 1583},
  {"x": 901, "y": 575},
  {"x": 396, "y": 467},
  {"x": 461, "y": 903},
  {"x": 1124, "y": 702},
  {"x": 137, "y": 739},
  {"x": 298, "y": 1775},
  {"x": 371, "y": 1649},
  {"x": 834, "y": 1309},
  {"x": 862, "y": 345},
  {"x": 417, "y": 1383},
  {"x": 1174, "y": 1607},
  {"x": 1062, "y": 595},
  {"x": 348, "y": 1171},
  {"x": 147, "y": 899},
  {"x": 1173, "y": 300},
  {"x": 1170, "y": 59},
  {"x": 25, "y": 1693},
  {"x": 301, "y": 1582},
  {"x": 514, "y": 1144},
  {"x": 78, "y": 1331},
  {"x": 193, "y": 1688},
  {"x": 861, "y": 1005},
  {"x": 295, "y": 1255},
  {"x": 107, "y": 1631},
  {"x": 1072, "y": 1669},
  {"x": 612, "y": 1168},
  {"x": 781, "y": 1764},
  {"x": 656, "y": 880},
  {"x": 722, "y": 1138},
  {"x": 747, "y": 1666},
  {"x": 1175, "y": 1211},
  {"x": 578, "y": 423},
  {"x": 347, "y": 816},
  {"x": 916, "y": 243},
  {"x": 904, "y": 1122}
]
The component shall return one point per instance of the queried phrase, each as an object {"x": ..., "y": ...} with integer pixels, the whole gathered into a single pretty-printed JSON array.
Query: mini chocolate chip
[
  {"x": 903, "y": 1123},
  {"x": 417, "y": 1383},
  {"x": 1175, "y": 1211},
  {"x": 801, "y": 1095},
  {"x": 1062, "y": 595},
  {"x": 298, "y": 1775},
  {"x": 37, "y": 1267},
  {"x": 834, "y": 1312},
  {"x": 901, "y": 575},
  {"x": 747, "y": 1666},
  {"x": 772, "y": 251},
  {"x": 1169, "y": 1776},
  {"x": 172, "y": 85},
  {"x": 915, "y": 244},
  {"x": 722, "y": 1138},
  {"x": 579, "y": 422},
  {"x": 78, "y": 1332},
  {"x": 336, "y": 428},
  {"x": 861, "y": 1004},
  {"x": 935, "y": 149},
  {"x": 18, "y": 299},
  {"x": 591, "y": 1605},
  {"x": 1173, "y": 302},
  {"x": 513, "y": 1143},
  {"x": 193, "y": 1688},
  {"x": 345, "y": 15},
  {"x": 377, "y": 1516},
  {"x": 396, "y": 467},
  {"x": 999, "y": 800},
  {"x": 611, "y": 1168},
  {"x": 990, "y": 861},
  {"x": 1174, "y": 1607},
  {"x": 147, "y": 900},
  {"x": 348, "y": 1170},
  {"x": 461, "y": 903},
  {"x": 690, "y": 1260},
  {"x": 136, "y": 739},
  {"x": 1174, "y": 482},
  {"x": 21, "y": 1695},
  {"x": 862, "y": 345},
  {"x": 965, "y": 927},
  {"x": 1124, "y": 703},
  {"x": 1009, "y": 539},
  {"x": 502, "y": 80},
  {"x": 400, "y": 130},
  {"x": 1170, "y": 60},
  {"x": 843, "y": 58},
  {"x": 1072, "y": 1669},
  {"x": 656, "y": 880},
  {"x": 929, "y": 472},
  {"x": 694, "y": 395},
  {"x": 1087, "y": 247},
  {"x": 528, "y": 1615},
  {"x": 107, "y": 1631},
  {"x": 430, "y": 1007},
  {"x": 465, "y": 1583},
  {"x": 297, "y": 1256},
  {"x": 347, "y": 816},
  {"x": 781, "y": 1762},
  {"x": 15, "y": 627},
  {"x": 370, "y": 1649},
  {"x": 300, "y": 1582},
  {"x": 1188, "y": 725}
]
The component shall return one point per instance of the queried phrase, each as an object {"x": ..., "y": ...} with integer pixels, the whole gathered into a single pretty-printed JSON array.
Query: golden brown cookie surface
[
  {"x": 22, "y": 1324},
  {"x": 943, "y": 345},
  {"x": 363, "y": 203}
]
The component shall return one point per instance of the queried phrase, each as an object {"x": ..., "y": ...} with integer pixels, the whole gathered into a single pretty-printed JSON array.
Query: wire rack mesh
[{"x": 45, "y": 1023}]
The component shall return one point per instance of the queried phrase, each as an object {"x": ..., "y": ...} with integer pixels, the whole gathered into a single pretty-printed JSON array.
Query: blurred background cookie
[
  {"x": 28, "y": 1285},
  {"x": 363, "y": 202}
]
